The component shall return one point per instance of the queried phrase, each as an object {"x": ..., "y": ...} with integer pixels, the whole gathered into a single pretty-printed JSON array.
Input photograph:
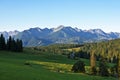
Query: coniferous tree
[
  {"x": 21, "y": 45},
  {"x": 17, "y": 45},
  {"x": 103, "y": 71},
  {"x": 9, "y": 41},
  {"x": 2, "y": 42},
  {"x": 119, "y": 66},
  {"x": 11, "y": 44},
  {"x": 7, "y": 45}
]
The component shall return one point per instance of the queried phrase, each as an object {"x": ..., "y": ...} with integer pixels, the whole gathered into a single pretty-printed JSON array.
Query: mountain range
[{"x": 61, "y": 34}]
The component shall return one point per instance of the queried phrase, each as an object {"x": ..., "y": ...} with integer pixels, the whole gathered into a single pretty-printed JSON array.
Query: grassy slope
[{"x": 12, "y": 68}]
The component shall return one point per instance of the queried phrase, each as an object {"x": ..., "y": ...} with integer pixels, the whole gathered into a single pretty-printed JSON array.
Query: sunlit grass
[
  {"x": 74, "y": 49},
  {"x": 56, "y": 67}
]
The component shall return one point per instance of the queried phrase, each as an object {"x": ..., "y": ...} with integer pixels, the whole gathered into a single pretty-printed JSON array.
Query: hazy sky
[{"x": 84, "y": 14}]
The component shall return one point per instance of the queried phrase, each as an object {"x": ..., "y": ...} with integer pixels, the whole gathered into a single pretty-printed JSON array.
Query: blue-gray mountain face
[{"x": 61, "y": 34}]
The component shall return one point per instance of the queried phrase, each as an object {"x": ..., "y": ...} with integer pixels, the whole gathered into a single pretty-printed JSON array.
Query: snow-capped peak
[
  {"x": 99, "y": 31},
  {"x": 35, "y": 29},
  {"x": 39, "y": 29},
  {"x": 12, "y": 33},
  {"x": 58, "y": 28}
]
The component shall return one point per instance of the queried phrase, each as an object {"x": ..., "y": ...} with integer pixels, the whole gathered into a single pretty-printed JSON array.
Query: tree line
[
  {"x": 10, "y": 44},
  {"x": 107, "y": 49}
]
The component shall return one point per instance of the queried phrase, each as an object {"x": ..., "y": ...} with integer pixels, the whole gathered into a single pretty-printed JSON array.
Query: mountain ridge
[{"x": 61, "y": 34}]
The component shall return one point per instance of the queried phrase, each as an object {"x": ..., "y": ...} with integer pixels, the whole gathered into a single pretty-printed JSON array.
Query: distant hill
[{"x": 61, "y": 34}]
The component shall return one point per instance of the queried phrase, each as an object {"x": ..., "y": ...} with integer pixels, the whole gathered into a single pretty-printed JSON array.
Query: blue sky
[{"x": 84, "y": 14}]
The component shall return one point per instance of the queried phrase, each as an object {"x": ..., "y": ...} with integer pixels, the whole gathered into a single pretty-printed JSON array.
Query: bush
[
  {"x": 79, "y": 66},
  {"x": 103, "y": 68}
]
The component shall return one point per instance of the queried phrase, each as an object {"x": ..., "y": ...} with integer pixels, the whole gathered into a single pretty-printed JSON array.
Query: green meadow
[{"x": 34, "y": 65}]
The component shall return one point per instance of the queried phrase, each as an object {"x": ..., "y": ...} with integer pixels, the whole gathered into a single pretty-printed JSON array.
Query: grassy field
[{"x": 43, "y": 66}]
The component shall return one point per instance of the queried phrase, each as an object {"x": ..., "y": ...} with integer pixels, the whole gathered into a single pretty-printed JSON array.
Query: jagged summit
[{"x": 58, "y": 28}]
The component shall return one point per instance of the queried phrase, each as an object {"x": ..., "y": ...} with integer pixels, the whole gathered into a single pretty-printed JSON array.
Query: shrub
[
  {"x": 27, "y": 63},
  {"x": 79, "y": 66},
  {"x": 103, "y": 68}
]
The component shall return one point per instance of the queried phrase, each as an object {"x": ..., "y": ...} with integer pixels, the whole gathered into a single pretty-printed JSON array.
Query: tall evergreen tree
[
  {"x": 21, "y": 45},
  {"x": 2, "y": 42},
  {"x": 17, "y": 45},
  {"x": 119, "y": 66},
  {"x": 13, "y": 45},
  {"x": 9, "y": 41}
]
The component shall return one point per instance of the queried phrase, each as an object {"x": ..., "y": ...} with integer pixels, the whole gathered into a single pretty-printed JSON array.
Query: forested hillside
[
  {"x": 105, "y": 52},
  {"x": 108, "y": 49}
]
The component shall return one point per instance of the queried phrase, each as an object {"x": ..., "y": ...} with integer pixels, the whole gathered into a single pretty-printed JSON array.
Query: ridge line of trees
[{"x": 11, "y": 44}]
